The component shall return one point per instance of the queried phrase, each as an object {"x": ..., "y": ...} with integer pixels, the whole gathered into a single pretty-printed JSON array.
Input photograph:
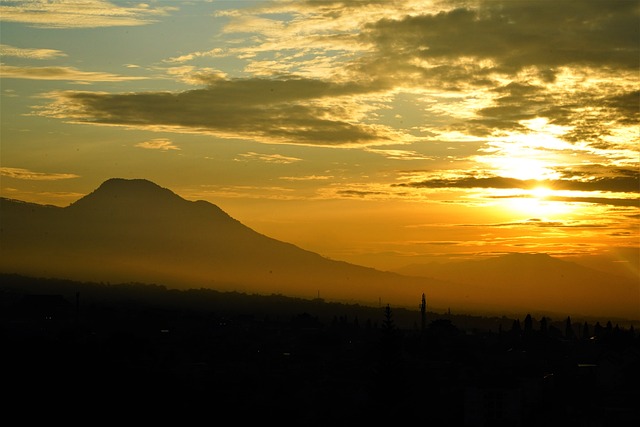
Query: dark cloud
[
  {"x": 627, "y": 104},
  {"x": 629, "y": 183},
  {"x": 472, "y": 46},
  {"x": 595, "y": 170},
  {"x": 598, "y": 200},
  {"x": 268, "y": 109},
  {"x": 589, "y": 115},
  {"x": 359, "y": 193},
  {"x": 444, "y": 243},
  {"x": 518, "y": 34}
]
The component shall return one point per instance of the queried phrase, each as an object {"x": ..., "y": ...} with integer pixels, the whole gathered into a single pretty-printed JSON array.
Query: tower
[{"x": 423, "y": 313}]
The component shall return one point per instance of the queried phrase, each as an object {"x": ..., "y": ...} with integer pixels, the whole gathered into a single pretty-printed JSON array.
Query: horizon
[
  {"x": 125, "y": 231},
  {"x": 62, "y": 286},
  {"x": 381, "y": 134}
]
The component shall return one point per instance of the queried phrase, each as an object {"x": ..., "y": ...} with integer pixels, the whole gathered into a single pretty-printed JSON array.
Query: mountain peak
[
  {"x": 129, "y": 192},
  {"x": 137, "y": 185}
]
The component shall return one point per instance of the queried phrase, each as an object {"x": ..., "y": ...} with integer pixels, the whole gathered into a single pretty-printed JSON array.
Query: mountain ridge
[{"x": 138, "y": 231}]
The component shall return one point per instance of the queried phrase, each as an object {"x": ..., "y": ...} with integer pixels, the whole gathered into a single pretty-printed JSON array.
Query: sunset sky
[{"x": 382, "y": 133}]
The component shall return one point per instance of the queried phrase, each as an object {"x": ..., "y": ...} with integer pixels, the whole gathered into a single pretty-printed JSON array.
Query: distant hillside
[{"x": 538, "y": 280}]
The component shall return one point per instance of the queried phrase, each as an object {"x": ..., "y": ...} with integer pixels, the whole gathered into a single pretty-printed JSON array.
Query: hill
[{"x": 551, "y": 285}]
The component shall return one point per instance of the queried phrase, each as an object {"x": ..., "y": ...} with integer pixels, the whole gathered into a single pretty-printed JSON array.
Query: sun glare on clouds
[{"x": 537, "y": 203}]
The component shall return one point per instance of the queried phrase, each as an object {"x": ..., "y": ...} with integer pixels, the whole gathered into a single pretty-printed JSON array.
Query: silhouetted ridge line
[
  {"x": 135, "y": 230},
  {"x": 132, "y": 230},
  {"x": 135, "y": 197}
]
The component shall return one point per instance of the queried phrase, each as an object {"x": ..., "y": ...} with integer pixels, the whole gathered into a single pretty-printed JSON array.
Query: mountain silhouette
[
  {"x": 538, "y": 280},
  {"x": 132, "y": 230}
]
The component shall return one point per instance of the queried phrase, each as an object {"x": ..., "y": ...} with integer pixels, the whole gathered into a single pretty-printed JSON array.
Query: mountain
[
  {"x": 538, "y": 280},
  {"x": 137, "y": 231}
]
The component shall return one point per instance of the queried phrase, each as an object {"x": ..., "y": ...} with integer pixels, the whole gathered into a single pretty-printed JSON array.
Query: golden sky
[{"x": 377, "y": 132}]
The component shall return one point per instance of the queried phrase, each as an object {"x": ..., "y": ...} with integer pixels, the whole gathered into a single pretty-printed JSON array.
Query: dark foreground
[{"x": 87, "y": 353}]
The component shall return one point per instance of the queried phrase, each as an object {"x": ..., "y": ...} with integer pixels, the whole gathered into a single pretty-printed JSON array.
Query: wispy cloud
[
  {"x": 61, "y": 73},
  {"x": 194, "y": 75},
  {"x": 29, "y": 53},
  {"x": 268, "y": 158},
  {"x": 215, "y": 52},
  {"x": 306, "y": 178},
  {"x": 79, "y": 13},
  {"x": 360, "y": 193},
  {"x": 162, "y": 144},
  {"x": 396, "y": 154},
  {"x": 539, "y": 223},
  {"x": 26, "y": 174}
]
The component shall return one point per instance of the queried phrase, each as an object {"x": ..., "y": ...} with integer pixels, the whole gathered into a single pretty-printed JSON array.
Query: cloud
[
  {"x": 513, "y": 35},
  {"x": 78, "y": 13},
  {"x": 158, "y": 144},
  {"x": 481, "y": 69},
  {"x": 17, "y": 52},
  {"x": 536, "y": 222},
  {"x": 399, "y": 154},
  {"x": 215, "y": 52},
  {"x": 306, "y": 178},
  {"x": 359, "y": 193},
  {"x": 293, "y": 111},
  {"x": 628, "y": 182},
  {"x": 61, "y": 73},
  {"x": 574, "y": 62},
  {"x": 268, "y": 158},
  {"x": 196, "y": 76},
  {"x": 26, "y": 174},
  {"x": 597, "y": 200},
  {"x": 484, "y": 67}
]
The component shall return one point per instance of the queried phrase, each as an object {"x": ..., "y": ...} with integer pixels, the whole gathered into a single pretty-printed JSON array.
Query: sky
[{"x": 382, "y": 133}]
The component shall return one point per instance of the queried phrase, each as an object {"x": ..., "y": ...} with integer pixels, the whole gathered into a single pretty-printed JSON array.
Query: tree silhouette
[
  {"x": 597, "y": 330},
  {"x": 528, "y": 324},
  {"x": 515, "y": 327},
  {"x": 390, "y": 349},
  {"x": 388, "y": 323},
  {"x": 568, "y": 329},
  {"x": 543, "y": 325}
]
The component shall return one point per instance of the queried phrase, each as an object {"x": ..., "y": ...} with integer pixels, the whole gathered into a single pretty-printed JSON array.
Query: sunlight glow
[
  {"x": 541, "y": 192},
  {"x": 530, "y": 155},
  {"x": 538, "y": 207},
  {"x": 536, "y": 202}
]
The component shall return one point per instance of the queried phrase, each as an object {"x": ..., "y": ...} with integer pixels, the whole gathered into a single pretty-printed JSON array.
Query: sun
[
  {"x": 541, "y": 192},
  {"x": 539, "y": 202}
]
